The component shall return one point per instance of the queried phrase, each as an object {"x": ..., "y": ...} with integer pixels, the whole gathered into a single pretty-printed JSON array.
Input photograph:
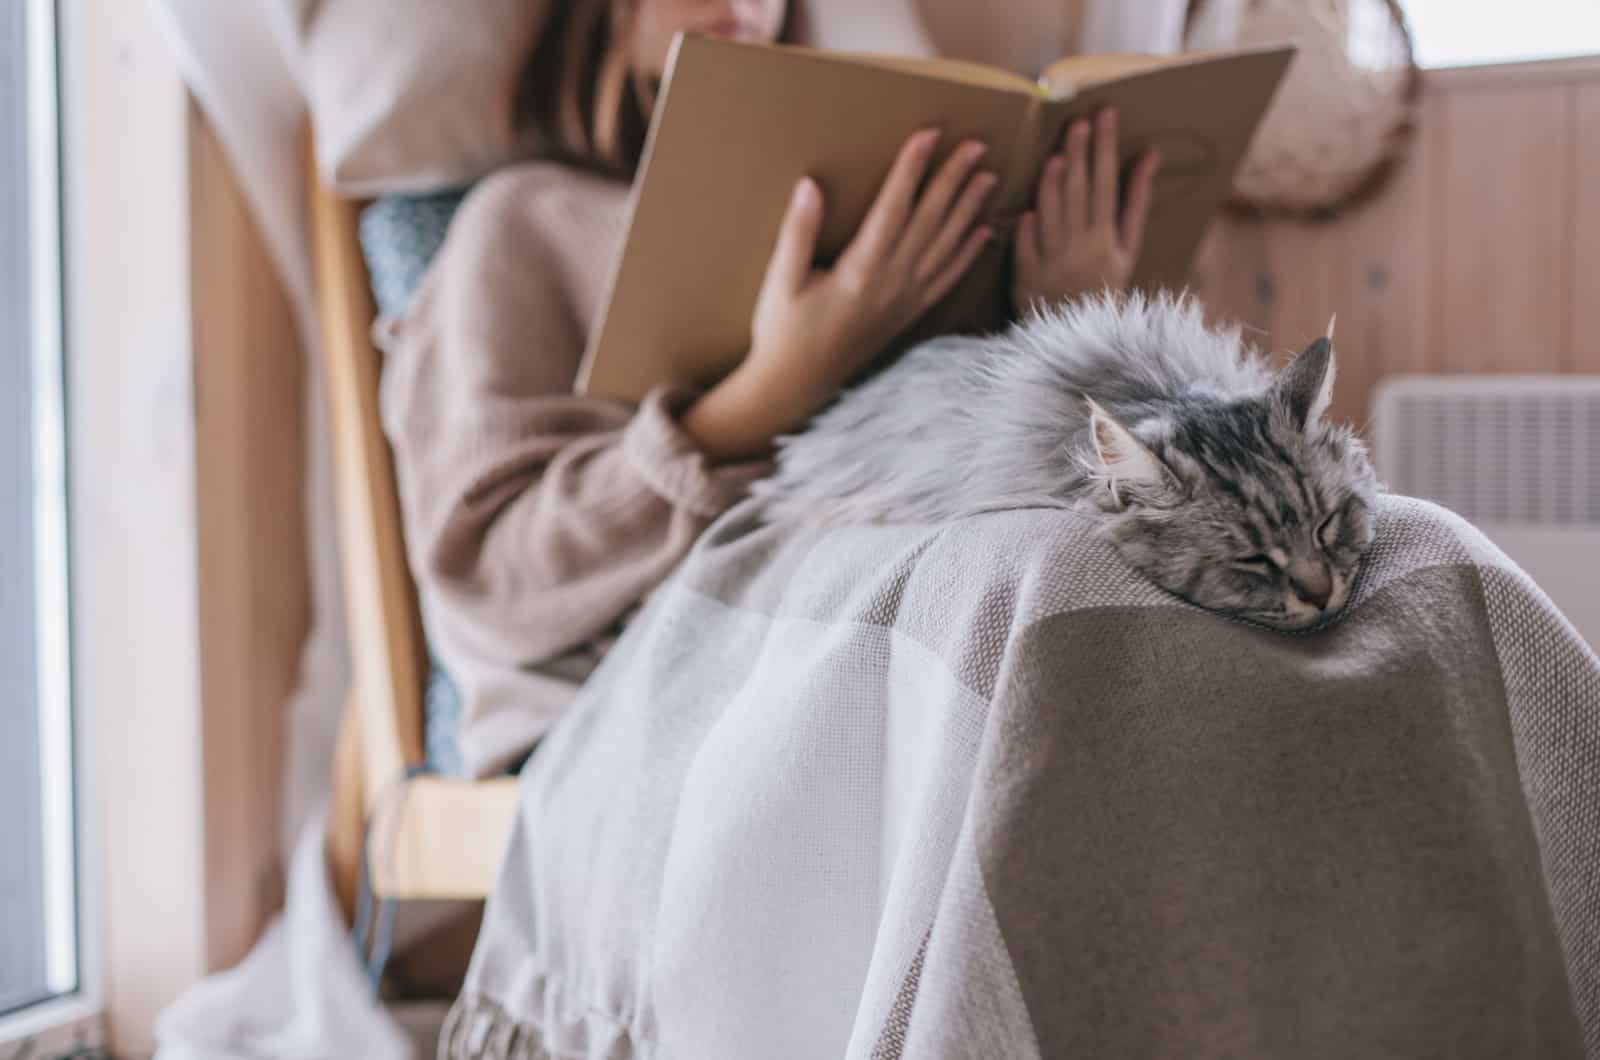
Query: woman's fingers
[
  {"x": 946, "y": 279},
  {"x": 1050, "y": 205},
  {"x": 1137, "y": 210},
  {"x": 881, "y": 230},
  {"x": 928, "y": 219},
  {"x": 1026, "y": 257},
  {"x": 796, "y": 249},
  {"x": 1076, "y": 195},
  {"x": 1027, "y": 262},
  {"x": 1063, "y": 201},
  {"x": 1105, "y": 171},
  {"x": 954, "y": 227}
]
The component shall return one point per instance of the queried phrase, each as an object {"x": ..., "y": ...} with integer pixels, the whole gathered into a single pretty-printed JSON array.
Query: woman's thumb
[{"x": 796, "y": 248}]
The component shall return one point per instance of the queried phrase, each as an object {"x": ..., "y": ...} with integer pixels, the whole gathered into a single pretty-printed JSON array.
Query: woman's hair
[{"x": 579, "y": 96}]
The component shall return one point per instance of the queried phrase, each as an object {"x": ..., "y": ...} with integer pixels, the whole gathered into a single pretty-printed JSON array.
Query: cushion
[
  {"x": 399, "y": 236},
  {"x": 409, "y": 95}
]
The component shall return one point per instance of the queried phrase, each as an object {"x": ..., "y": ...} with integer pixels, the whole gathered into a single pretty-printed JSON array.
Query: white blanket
[{"x": 977, "y": 790}]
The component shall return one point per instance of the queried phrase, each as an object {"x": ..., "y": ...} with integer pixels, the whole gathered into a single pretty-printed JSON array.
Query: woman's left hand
[{"x": 1075, "y": 239}]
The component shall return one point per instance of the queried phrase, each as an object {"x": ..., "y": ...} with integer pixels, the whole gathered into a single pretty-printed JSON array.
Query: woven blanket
[{"x": 977, "y": 790}]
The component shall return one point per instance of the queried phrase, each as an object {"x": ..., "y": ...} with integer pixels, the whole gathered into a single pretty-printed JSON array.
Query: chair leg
[{"x": 347, "y": 811}]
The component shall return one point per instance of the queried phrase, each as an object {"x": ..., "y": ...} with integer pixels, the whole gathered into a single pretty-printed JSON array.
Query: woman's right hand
[{"x": 814, "y": 329}]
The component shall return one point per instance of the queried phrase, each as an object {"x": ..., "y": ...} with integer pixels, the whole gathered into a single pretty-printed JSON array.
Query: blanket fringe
[{"x": 478, "y": 1029}]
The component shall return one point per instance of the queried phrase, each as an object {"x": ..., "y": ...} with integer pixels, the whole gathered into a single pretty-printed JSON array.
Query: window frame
[
  {"x": 1422, "y": 23},
  {"x": 71, "y": 1016},
  {"x": 182, "y": 373}
]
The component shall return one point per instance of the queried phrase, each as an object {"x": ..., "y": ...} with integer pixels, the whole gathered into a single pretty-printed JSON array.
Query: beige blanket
[{"x": 977, "y": 791}]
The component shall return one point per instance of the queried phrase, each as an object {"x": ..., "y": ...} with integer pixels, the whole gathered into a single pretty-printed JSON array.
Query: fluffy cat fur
[{"x": 1218, "y": 480}]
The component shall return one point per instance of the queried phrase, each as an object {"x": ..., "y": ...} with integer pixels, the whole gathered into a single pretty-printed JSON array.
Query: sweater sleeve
[{"x": 535, "y": 519}]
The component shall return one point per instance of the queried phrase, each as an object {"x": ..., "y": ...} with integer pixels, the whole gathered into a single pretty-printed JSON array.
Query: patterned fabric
[
  {"x": 976, "y": 791},
  {"x": 399, "y": 236}
]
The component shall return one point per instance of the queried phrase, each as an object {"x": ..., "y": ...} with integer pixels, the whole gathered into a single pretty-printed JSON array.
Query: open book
[{"x": 738, "y": 124}]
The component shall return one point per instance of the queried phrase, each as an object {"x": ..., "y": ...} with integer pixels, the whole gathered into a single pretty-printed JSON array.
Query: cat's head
[{"x": 1257, "y": 506}]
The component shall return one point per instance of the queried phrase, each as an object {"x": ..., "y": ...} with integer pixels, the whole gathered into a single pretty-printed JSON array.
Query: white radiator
[{"x": 1519, "y": 456}]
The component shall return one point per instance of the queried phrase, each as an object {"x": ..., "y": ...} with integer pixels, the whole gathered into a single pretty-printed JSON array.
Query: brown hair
[{"x": 579, "y": 97}]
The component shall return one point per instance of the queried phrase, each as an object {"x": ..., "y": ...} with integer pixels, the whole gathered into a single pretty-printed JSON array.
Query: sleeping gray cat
[{"x": 1217, "y": 480}]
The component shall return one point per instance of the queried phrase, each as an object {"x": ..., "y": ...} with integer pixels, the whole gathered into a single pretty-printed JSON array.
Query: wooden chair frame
[{"x": 427, "y": 837}]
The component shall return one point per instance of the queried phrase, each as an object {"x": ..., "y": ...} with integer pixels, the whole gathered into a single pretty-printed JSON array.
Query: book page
[
  {"x": 968, "y": 73},
  {"x": 1066, "y": 76}
]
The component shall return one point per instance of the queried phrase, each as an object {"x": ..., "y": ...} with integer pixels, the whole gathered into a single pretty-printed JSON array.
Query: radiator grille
[{"x": 1508, "y": 450}]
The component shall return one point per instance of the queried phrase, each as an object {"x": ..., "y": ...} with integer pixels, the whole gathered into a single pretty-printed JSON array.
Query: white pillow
[{"x": 412, "y": 95}]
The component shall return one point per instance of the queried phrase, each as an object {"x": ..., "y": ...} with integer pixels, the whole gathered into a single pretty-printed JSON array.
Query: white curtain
[{"x": 301, "y": 993}]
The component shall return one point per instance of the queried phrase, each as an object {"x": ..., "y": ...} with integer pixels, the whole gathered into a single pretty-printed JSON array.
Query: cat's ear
[
  {"x": 1123, "y": 457},
  {"x": 1305, "y": 386}
]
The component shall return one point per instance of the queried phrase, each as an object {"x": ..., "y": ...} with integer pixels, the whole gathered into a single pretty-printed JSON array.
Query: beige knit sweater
[{"x": 535, "y": 519}]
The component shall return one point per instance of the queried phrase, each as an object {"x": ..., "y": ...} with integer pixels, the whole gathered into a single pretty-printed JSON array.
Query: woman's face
[{"x": 659, "y": 21}]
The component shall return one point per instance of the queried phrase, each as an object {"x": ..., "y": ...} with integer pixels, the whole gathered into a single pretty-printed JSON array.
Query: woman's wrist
[
  {"x": 730, "y": 421},
  {"x": 768, "y": 395}
]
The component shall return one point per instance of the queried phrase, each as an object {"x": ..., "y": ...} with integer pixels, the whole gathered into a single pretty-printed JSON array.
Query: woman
[{"x": 536, "y": 519}]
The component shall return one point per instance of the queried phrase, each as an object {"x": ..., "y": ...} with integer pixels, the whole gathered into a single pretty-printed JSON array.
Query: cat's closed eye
[
  {"x": 1325, "y": 531},
  {"x": 1258, "y": 563}
]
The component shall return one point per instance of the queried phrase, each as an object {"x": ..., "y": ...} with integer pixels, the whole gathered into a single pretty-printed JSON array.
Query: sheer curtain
[{"x": 301, "y": 993}]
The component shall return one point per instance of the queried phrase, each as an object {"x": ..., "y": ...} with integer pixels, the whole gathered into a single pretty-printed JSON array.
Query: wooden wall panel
[
  {"x": 1482, "y": 255},
  {"x": 1384, "y": 250},
  {"x": 1283, "y": 279},
  {"x": 1501, "y": 268},
  {"x": 1230, "y": 274},
  {"x": 254, "y": 597},
  {"x": 1584, "y": 329}
]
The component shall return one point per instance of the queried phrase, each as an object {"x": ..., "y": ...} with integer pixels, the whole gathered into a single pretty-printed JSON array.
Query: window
[
  {"x": 1452, "y": 33},
  {"x": 39, "y": 957}
]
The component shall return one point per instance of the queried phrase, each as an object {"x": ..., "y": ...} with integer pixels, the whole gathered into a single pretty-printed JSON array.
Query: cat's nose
[{"x": 1312, "y": 582}]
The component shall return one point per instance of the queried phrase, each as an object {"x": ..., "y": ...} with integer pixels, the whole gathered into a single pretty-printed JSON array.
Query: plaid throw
[{"x": 977, "y": 791}]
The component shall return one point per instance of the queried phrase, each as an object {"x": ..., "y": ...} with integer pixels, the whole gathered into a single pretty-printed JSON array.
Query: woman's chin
[{"x": 730, "y": 29}]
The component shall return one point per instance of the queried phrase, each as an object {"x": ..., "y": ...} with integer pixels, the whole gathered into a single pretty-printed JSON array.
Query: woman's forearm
[
  {"x": 739, "y": 418},
  {"x": 721, "y": 424}
]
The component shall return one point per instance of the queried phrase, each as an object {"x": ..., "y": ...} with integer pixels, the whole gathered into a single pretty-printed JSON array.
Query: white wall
[{"x": 131, "y": 448}]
